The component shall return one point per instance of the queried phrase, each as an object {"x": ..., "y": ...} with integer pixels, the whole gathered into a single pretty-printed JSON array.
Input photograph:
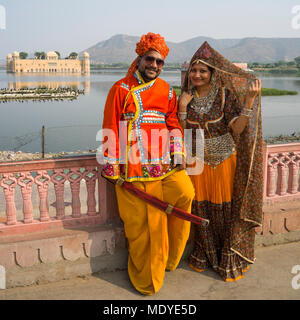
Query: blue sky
[{"x": 74, "y": 25}]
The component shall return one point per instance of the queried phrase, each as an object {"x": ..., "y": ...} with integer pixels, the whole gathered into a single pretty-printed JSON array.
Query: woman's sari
[{"x": 229, "y": 190}]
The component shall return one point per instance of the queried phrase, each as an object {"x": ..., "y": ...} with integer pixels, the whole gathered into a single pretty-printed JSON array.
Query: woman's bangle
[
  {"x": 182, "y": 115},
  {"x": 246, "y": 112}
]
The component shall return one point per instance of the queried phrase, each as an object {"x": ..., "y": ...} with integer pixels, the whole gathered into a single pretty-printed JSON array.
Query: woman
[{"x": 224, "y": 101}]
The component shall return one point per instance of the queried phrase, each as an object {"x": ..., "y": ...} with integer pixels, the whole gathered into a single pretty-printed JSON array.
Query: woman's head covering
[
  {"x": 248, "y": 186},
  {"x": 150, "y": 41},
  {"x": 226, "y": 73}
]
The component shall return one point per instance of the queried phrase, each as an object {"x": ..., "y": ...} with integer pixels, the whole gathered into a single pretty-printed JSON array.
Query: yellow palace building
[{"x": 51, "y": 64}]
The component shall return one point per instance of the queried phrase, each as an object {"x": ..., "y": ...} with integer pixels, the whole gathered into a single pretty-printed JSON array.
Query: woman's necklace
[{"x": 204, "y": 104}]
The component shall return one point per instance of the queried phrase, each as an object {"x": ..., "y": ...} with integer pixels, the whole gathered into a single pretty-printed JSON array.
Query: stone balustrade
[
  {"x": 82, "y": 175},
  {"x": 281, "y": 172}
]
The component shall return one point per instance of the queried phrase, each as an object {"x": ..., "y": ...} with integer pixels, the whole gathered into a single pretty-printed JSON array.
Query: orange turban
[
  {"x": 149, "y": 41},
  {"x": 152, "y": 41}
]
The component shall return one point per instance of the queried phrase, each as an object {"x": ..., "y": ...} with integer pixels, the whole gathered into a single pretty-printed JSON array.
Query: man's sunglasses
[{"x": 159, "y": 62}]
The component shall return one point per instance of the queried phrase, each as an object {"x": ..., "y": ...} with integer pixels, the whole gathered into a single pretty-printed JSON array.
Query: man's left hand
[{"x": 179, "y": 160}]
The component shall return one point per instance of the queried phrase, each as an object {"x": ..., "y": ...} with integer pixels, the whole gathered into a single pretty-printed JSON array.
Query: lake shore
[{"x": 12, "y": 156}]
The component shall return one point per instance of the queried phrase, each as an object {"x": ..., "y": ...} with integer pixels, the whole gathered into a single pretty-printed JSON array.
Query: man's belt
[{"x": 162, "y": 205}]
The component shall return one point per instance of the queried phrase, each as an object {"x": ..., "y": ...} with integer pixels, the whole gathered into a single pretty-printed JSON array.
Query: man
[{"x": 148, "y": 107}]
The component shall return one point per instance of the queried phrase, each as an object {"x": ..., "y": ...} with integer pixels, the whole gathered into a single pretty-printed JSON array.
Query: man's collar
[{"x": 139, "y": 77}]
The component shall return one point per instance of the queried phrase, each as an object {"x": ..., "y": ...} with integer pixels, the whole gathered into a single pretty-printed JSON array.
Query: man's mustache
[{"x": 152, "y": 69}]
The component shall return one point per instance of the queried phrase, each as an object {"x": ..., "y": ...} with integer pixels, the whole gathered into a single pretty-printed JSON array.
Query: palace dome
[
  {"x": 9, "y": 56},
  {"x": 51, "y": 54},
  {"x": 15, "y": 54},
  {"x": 86, "y": 55}
]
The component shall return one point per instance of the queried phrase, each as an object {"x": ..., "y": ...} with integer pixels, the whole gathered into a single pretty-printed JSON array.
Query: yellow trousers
[{"x": 156, "y": 240}]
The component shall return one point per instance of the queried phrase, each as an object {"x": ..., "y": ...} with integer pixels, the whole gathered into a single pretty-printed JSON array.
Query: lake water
[{"x": 73, "y": 125}]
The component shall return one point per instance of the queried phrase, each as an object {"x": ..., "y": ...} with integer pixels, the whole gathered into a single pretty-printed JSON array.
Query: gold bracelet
[
  {"x": 246, "y": 112},
  {"x": 182, "y": 115}
]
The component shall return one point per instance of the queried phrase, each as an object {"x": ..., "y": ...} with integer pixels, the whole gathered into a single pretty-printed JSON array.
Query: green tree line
[
  {"x": 42, "y": 55},
  {"x": 280, "y": 64}
]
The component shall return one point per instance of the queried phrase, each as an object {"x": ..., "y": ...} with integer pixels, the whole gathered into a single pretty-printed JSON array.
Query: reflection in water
[
  {"x": 17, "y": 85},
  {"x": 72, "y": 126}
]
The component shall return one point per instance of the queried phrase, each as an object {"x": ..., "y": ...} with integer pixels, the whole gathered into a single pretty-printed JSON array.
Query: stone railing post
[
  {"x": 42, "y": 180},
  {"x": 9, "y": 193},
  {"x": 282, "y": 174},
  {"x": 293, "y": 173},
  {"x": 25, "y": 181},
  {"x": 58, "y": 178},
  {"x": 272, "y": 167},
  {"x": 90, "y": 178},
  {"x": 75, "y": 177}
]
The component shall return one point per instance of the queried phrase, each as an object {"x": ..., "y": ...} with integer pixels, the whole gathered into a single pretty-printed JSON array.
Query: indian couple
[{"x": 224, "y": 102}]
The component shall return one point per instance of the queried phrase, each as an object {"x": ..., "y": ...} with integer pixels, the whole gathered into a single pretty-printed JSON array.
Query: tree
[
  {"x": 280, "y": 63},
  {"x": 37, "y": 54},
  {"x": 73, "y": 55},
  {"x": 297, "y": 59},
  {"x": 40, "y": 55},
  {"x": 23, "y": 55},
  {"x": 269, "y": 65},
  {"x": 58, "y": 53}
]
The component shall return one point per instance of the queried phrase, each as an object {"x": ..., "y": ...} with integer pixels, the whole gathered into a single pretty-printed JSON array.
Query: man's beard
[{"x": 146, "y": 78}]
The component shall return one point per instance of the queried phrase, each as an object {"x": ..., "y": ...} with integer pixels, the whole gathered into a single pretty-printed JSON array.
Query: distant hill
[{"x": 121, "y": 48}]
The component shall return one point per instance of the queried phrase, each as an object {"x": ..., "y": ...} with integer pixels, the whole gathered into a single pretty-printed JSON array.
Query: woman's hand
[
  {"x": 184, "y": 100},
  {"x": 240, "y": 123},
  {"x": 253, "y": 90}
]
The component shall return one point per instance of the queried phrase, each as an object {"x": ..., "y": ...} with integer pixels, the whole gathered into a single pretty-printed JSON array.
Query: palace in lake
[{"x": 51, "y": 64}]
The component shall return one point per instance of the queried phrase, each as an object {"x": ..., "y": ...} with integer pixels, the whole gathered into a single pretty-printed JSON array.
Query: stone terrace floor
[{"x": 269, "y": 278}]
